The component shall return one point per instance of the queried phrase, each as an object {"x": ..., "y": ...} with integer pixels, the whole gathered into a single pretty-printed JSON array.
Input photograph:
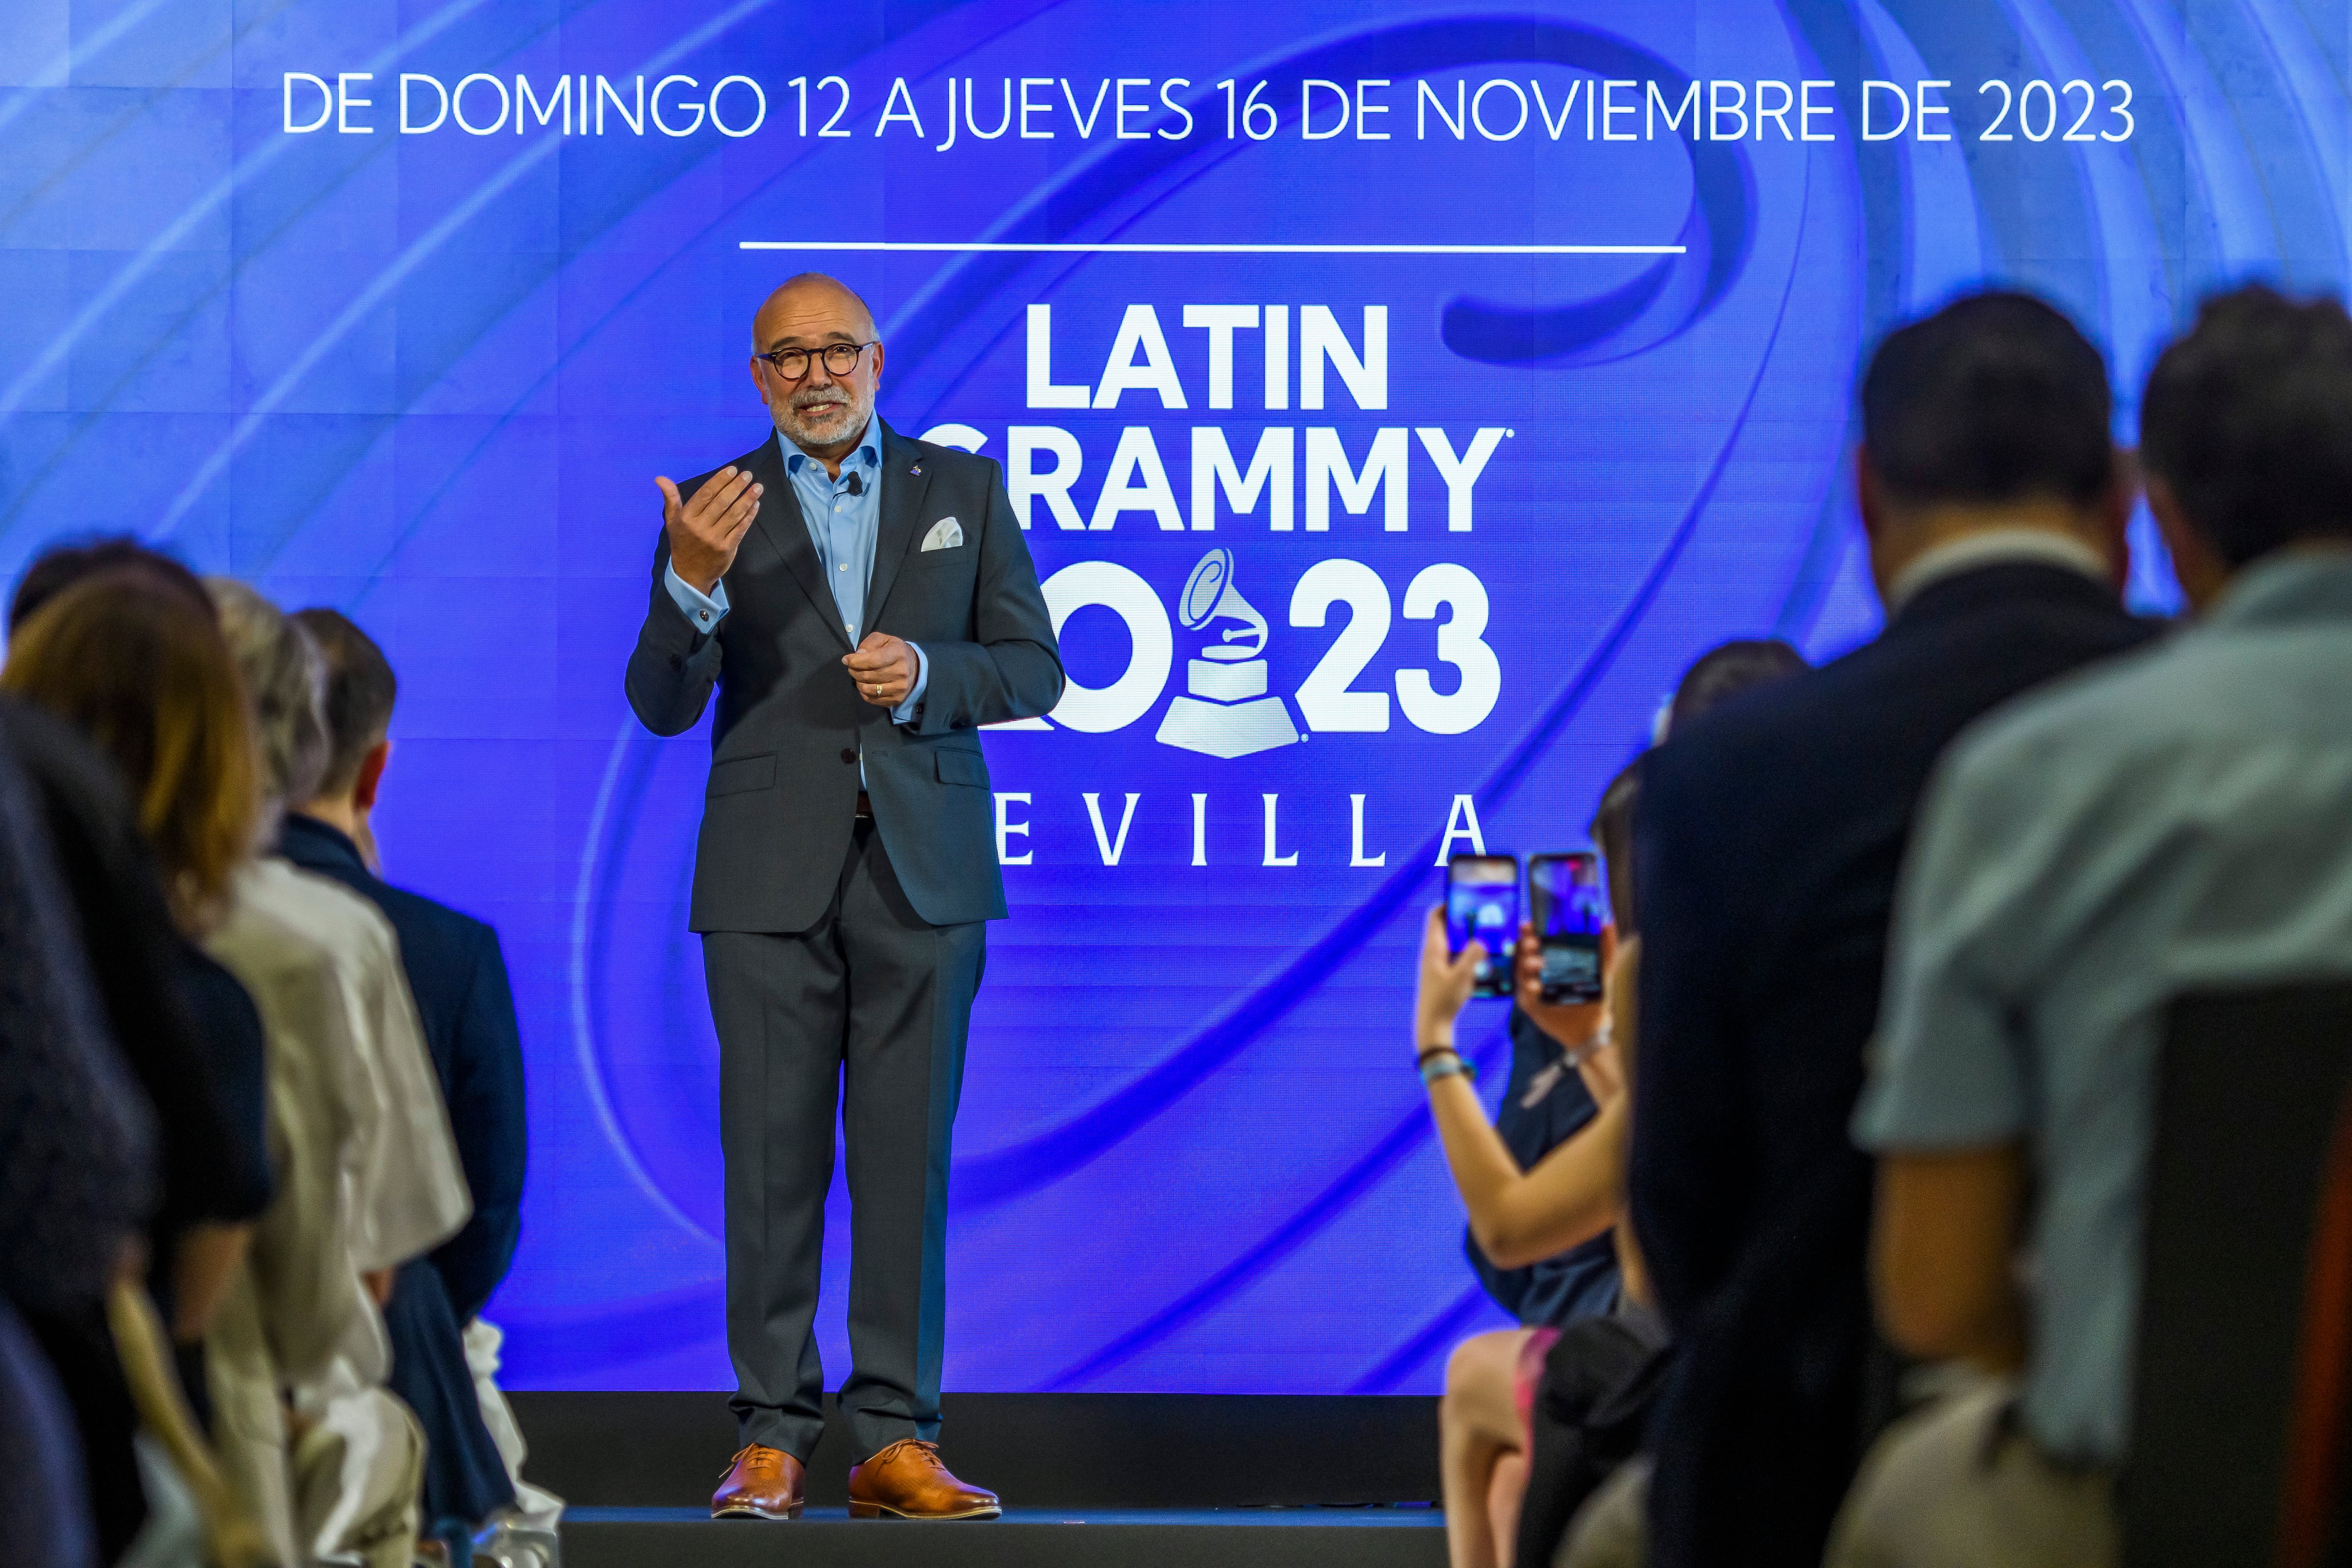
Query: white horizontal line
[{"x": 1060, "y": 248}]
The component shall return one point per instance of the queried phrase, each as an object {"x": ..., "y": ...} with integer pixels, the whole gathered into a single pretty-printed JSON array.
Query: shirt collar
[
  {"x": 2294, "y": 587},
  {"x": 867, "y": 455},
  {"x": 301, "y": 833},
  {"x": 1994, "y": 547}
]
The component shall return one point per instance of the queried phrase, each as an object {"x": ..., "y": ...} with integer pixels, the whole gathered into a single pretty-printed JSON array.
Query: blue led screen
[{"x": 1398, "y": 395}]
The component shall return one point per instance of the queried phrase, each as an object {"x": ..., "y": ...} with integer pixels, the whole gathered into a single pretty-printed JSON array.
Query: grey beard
[{"x": 789, "y": 420}]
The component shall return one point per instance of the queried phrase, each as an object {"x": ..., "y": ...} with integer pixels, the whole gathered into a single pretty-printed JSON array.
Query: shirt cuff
[
  {"x": 905, "y": 713},
  {"x": 705, "y": 610}
]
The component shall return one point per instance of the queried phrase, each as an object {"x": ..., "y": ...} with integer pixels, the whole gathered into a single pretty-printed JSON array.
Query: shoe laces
[{"x": 765, "y": 1462}]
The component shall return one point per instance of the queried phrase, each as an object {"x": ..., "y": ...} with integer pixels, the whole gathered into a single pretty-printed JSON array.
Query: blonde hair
[
  {"x": 287, "y": 682},
  {"x": 139, "y": 668}
]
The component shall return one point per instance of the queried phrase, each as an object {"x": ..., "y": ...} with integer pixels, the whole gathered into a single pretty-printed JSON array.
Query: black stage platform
[{"x": 1137, "y": 1480}]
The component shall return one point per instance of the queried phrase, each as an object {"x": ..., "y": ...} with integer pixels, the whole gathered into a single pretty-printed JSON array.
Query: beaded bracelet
[{"x": 1446, "y": 1064}]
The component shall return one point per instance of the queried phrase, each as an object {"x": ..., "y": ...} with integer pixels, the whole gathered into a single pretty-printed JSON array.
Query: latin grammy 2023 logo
[{"x": 1227, "y": 708}]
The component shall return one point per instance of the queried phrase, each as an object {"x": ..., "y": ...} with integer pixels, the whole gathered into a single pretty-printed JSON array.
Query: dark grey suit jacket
[{"x": 778, "y": 810}]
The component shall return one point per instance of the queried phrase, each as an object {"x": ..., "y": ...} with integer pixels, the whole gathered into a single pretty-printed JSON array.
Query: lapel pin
[{"x": 917, "y": 470}]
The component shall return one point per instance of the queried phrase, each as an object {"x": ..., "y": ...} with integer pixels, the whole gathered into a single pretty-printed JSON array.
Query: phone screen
[
  {"x": 1482, "y": 901},
  {"x": 1571, "y": 905}
]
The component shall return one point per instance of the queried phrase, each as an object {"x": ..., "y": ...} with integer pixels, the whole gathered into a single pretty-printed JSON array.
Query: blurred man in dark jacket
[
  {"x": 1766, "y": 853},
  {"x": 459, "y": 977}
]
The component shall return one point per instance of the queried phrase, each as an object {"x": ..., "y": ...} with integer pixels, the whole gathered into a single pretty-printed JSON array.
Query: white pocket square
[{"x": 945, "y": 535}]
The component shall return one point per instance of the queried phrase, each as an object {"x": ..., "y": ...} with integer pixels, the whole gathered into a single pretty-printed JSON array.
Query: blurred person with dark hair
[
  {"x": 1727, "y": 670},
  {"x": 146, "y": 876},
  {"x": 129, "y": 660},
  {"x": 458, "y": 976},
  {"x": 1544, "y": 1103},
  {"x": 1766, "y": 853},
  {"x": 62, "y": 565},
  {"x": 1573, "y": 1197},
  {"x": 359, "y": 1456},
  {"x": 76, "y": 1181},
  {"x": 2180, "y": 820},
  {"x": 1565, "y": 1092}
]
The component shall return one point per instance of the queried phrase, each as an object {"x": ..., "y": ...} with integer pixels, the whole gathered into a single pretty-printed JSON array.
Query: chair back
[{"x": 2245, "y": 1351}]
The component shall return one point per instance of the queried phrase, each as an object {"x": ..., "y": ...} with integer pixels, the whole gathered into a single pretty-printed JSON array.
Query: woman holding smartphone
[{"x": 1575, "y": 1192}]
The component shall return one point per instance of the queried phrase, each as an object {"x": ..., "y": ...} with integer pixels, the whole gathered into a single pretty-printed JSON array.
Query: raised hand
[
  {"x": 1572, "y": 1024},
  {"x": 1446, "y": 979},
  {"x": 705, "y": 531}
]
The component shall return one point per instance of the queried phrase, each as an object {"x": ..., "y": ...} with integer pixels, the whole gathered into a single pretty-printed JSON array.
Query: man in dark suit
[
  {"x": 459, "y": 976},
  {"x": 1768, "y": 843},
  {"x": 861, "y": 603}
]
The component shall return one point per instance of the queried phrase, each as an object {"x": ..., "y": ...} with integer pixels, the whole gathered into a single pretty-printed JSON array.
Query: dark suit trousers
[{"x": 876, "y": 1001}]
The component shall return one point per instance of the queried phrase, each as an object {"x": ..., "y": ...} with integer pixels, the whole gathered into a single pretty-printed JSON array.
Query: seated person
[
  {"x": 1767, "y": 848},
  {"x": 1572, "y": 1196},
  {"x": 358, "y": 1455},
  {"x": 2181, "y": 818},
  {"x": 138, "y": 665},
  {"x": 141, "y": 888},
  {"x": 77, "y": 1174},
  {"x": 1491, "y": 1378},
  {"x": 458, "y": 976}
]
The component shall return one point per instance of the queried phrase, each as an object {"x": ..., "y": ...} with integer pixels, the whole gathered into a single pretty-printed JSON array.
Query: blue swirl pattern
[{"x": 428, "y": 379}]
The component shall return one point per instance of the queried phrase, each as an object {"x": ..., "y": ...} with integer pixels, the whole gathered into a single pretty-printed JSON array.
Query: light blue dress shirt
[
  {"x": 845, "y": 528},
  {"x": 2177, "y": 819}
]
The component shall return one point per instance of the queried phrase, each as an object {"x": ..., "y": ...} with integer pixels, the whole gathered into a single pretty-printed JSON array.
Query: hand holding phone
[
  {"x": 1573, "y": 1024},
  {"x": 1482, "y": 905},
  {"x": 1444, "y": 989},
  {"x": 1571, "y": 909},
  {"x": 1564, "y": 951}
]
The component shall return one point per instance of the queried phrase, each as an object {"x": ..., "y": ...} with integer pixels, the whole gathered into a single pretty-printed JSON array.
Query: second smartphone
[{"x": 1570, "y": 907}]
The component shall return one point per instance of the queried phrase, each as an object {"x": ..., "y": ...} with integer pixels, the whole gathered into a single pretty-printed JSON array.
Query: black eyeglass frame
[{"x": 776, "y": 357}]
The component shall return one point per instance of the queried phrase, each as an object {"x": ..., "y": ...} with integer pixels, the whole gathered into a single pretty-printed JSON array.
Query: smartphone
[
  {"x": 1482, "y": 901},
  {"x": 1569, "y": 904}
]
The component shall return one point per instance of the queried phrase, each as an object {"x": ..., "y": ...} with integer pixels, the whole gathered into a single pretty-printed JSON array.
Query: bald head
[
  {"x": 808, "y": 311},
  {"x": 821, "y": 410}
]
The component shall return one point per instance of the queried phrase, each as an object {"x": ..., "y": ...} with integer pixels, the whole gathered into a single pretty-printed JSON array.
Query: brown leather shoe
[
  {"x": 906, "y": 1480},
  {"x": 759, "y": 1483}
]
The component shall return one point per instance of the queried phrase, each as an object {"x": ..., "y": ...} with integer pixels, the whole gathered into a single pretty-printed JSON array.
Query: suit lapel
[
  {"x": 784, "y": 525},
  {"x": 904, "y": 479}
]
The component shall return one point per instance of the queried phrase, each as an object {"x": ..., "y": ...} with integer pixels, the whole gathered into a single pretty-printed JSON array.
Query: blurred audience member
[
  {"x": 141, "y": 666},
  {"x": 76, "y": 1179},
  {"x": 458, "y": 976},
  {"x": 1766, "y": 847},
  {"x": 1582, "y": 1398},
  {"x": 358, "y": 1459},
  {"x": 62, "y": 565},
  {"x": 1492, "y": 1379},
  {"x": 148, "y": 878},
  {"x": 1544, "y": 1105},
  {"x": 412, "y": 1191},
  {"x": 2178, "y": 820},
  {"x": 1572, "y": 1196},
  {"x": 1725, "y": 670},
  {"x": 188, "y": 1031}
]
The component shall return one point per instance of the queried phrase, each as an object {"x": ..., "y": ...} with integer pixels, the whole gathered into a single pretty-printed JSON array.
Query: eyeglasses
[{"x": 791, "y": 364}]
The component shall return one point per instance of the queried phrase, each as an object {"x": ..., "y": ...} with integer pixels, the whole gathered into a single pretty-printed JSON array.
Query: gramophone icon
[{"x": 1229, "y": 712}]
